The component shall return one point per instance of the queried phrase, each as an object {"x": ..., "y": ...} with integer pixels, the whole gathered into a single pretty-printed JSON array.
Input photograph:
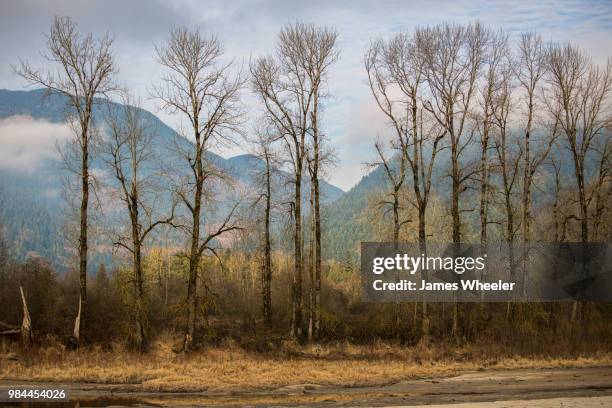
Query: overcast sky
[{"x": 249, "y": 28}]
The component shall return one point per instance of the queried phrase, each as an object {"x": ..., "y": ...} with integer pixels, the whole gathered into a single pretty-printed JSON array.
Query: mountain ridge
[{"x": 32, "y": 230}]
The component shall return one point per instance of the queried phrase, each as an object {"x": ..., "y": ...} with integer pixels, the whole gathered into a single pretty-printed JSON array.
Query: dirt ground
[
  {"x": 512, "y": 388},
  {"x": 580, "y": 402}
]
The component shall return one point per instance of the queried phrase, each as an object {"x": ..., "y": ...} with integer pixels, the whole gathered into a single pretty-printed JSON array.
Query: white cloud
[
  {"x": 347, "y": 175},
  {"x": 25, "y": 142}
]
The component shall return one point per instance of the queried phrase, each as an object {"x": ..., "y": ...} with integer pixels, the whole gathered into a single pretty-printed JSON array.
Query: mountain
[
  {"x": 32, "y": 203},
  {"x": 246, "y": 167},
  {"x": 32, "y": 206},
  {"x": 346, "y": 224}
]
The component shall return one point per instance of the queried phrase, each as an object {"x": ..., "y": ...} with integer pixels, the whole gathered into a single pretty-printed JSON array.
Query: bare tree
[
  {"x": 312, "y": 250},
  {"x": 198, "y": 86},
  {"x": 396, "y": 68},
  {"x": 85, "y": 72},
  {"x": 379, "y": 80},
  {"x": 529, "y": 69},
  {"x": 508, "y": 164},
  {"x": 579, "y": 100},
  {"x": 601, "y": 188},
  {"x": 396, "y": 78},
  {"x": 319, "y": 53},
  {"x": 264, "y": 150},
  {"x": 128, "y": 152},
  {"x": 453, "y": 59},
  {"x": 508, "y": 158},
  {"x": 289, "y": 85},
  {"x": 454, "y": 56},
  {"x": 556, "y": 167},
  {"x": 395, "y": 173},
  {"x": 493, "y": 84}
]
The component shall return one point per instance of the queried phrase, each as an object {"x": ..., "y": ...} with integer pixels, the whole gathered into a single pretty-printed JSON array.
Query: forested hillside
[
  {"x": 34, "y": 208},
  {"x": 35, "y": 216}
]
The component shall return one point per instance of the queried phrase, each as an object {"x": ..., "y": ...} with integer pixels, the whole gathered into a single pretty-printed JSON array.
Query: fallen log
[
  {"x": 9, "y": 329},
  {"x": 6, "y": 325}
]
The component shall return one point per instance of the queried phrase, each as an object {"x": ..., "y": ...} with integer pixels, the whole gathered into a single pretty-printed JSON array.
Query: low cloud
[{"x": 26, "y": 142}]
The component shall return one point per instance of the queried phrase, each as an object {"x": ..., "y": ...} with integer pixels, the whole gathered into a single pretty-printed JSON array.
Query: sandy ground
[
  {"x": 579, "y": 387},
  {"x": 581, "y": 402}
]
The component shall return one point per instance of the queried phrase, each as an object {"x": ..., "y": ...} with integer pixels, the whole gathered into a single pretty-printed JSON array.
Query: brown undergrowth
[{"x": 229, "y": 367}]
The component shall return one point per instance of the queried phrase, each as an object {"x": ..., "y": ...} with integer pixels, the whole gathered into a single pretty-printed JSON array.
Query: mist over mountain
[{"x": 32, "y": 200}]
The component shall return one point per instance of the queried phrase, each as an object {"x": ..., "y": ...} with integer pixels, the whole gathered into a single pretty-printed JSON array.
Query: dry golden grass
[{"x": 230, "y": 368}]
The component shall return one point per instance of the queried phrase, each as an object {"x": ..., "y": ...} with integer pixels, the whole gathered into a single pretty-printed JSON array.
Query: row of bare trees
[
  {"x": 494, "y": 109},
  {"x": 200, "y": 86},
  {"x": 500, "y": 109}
]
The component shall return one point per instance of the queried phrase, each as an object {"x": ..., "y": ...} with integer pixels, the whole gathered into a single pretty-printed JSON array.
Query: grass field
[{"x": 229, "y": 367}]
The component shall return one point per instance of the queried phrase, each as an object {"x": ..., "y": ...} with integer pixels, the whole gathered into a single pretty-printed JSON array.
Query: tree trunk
[
  {"x": 317, "y": 248},
  {"x": 584, "y": 221},
  {"x": 456, "y": 221},
  {"x": 140, "y": 312},
  {"x": 297, "y": 303},
  {"x": 26, "y": 324},
  {"x": 312, "y": 249},
  {"x": 396, "y": 222},
  {"x": 425, "y": 324},
  {"x": 584, "y": 217},
  {"x": 527, "y": 191},
  {"x": 267, "y": 263},
  {"x": 191, "y": 289},
  {"x": 79, "y": 323},
  {"x": 194, "y": 255},
  {"x": 484, "y": 189},
  {"x": 455, "y": 192},
  {"x": 422, "y": 197}
]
